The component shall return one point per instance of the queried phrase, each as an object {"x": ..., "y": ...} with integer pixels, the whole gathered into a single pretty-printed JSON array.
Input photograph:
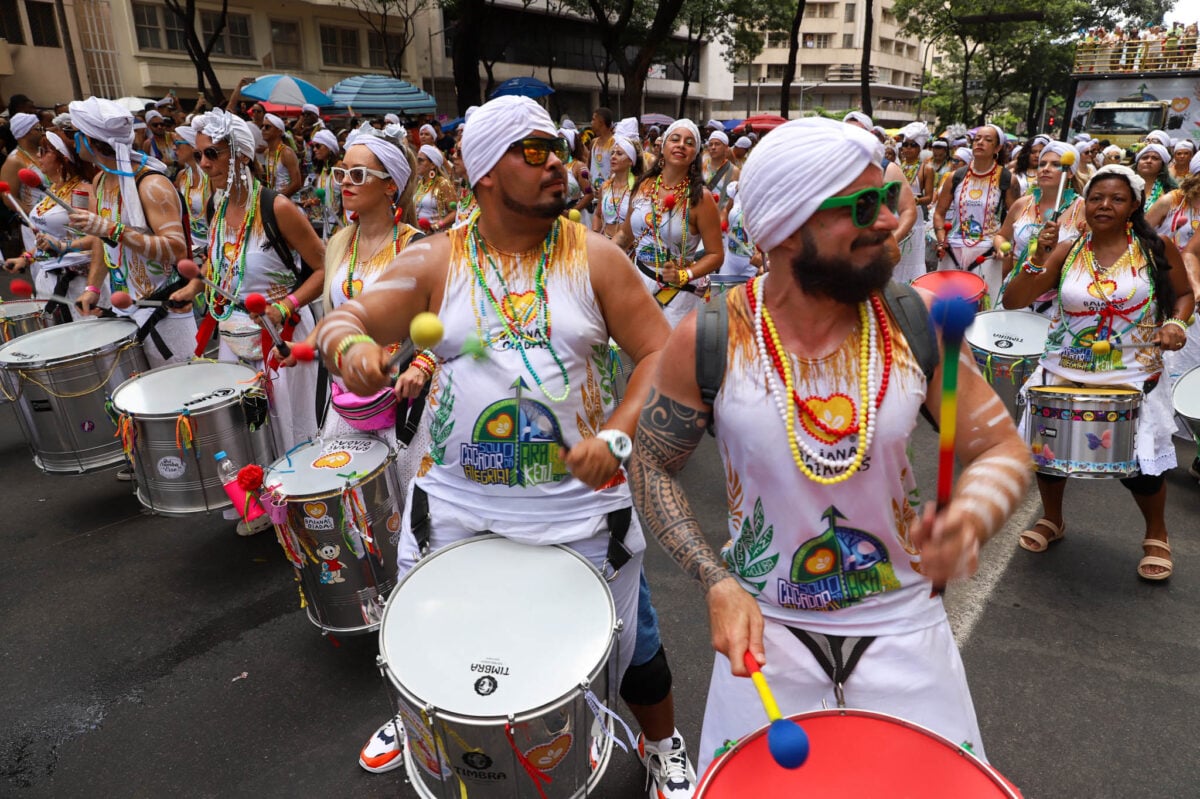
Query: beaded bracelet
[
  {"x": 425, "y": 362},
  {"x": 1182, "y": 325},
  {"x": 346, "y": 343},
  {"x": 1030, "y": 268},
  {"x": 118, "y": 232}
]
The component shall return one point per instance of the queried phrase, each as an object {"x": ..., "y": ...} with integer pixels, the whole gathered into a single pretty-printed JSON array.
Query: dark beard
[
  {"x": 546, "y": 210},
  {"x": 826, "y": 277}
]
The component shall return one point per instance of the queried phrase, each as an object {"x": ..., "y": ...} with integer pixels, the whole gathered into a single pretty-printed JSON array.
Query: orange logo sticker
[
  {"x": 315, "y": 509},
  {"x": 548, "y": 756},
  {"x": 333, "y": 460}
]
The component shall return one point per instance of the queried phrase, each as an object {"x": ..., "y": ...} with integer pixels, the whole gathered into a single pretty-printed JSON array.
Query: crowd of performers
[{"x": 629, "y": 240}]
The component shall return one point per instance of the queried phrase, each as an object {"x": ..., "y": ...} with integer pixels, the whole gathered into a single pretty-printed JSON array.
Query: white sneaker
[
  {"x": 385, "y": 750},
  {"x": 257, "y": 526},
  {"x": 669, "y": 771},
  {"x": 125, "y": 474}
]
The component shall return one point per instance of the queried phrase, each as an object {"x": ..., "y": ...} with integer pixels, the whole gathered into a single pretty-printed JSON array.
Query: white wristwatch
[{"x": 619, "y": 444}]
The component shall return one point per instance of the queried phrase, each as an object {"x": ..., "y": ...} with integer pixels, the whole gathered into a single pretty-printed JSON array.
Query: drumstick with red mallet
[
  {"x": 188, "y": 269},
  {"x": 6, "y": 190},
  {"x": 257, "y": 304},
  {"x": 35, "y": 181},
  {"x": 23, "y": 288},
  {"x": 786, "y": 740},
  {"x": 953, "y": 314}
]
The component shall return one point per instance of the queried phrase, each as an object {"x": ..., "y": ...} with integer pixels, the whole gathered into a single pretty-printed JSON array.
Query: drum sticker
[
  {"x": 332, "y": 460},
  {"x": 477, "y": 767},
  {"x": 171, "y": 467},
  {"x": 420, "y": 744},
  {"x": 548, "y": 756},
  {"x": 316, "y": 517},
  {"x": 87, "y": 425},
  {"x": 515, "y": 442},
  {"x": 486, "y": 685},
  {"x": 348, "y": 445},
  {"x": 837, "y": 568},
  {"x": 331, "y": 567}
]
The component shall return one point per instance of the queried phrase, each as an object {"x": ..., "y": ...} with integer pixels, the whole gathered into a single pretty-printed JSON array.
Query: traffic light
[{"x": 1050, "y": 122}]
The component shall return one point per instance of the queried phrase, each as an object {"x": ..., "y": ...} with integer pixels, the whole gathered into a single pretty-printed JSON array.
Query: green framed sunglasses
[{"x": 865, "y": 204}]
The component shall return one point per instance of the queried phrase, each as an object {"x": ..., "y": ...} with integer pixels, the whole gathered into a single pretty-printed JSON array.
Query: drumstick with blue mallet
[
  {"x": 952, "y": 314},
  {"x": 786, "y": 740}
]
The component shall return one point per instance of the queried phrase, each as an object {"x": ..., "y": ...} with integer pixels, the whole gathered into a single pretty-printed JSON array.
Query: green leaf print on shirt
[
  {"x": 753, "y": 541},
  {"x": 442, "y": 425}
]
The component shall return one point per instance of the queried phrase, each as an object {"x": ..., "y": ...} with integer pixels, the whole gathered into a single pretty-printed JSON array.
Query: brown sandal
[
  {"x": 1034, "y": 541},
  {"x": 1155, "y": 560}
]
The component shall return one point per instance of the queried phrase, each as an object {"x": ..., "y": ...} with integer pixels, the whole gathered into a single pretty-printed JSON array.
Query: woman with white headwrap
[
  {"x": 1030, "y": 213},
  {"x": 193, "y": 186},
  {"x": 281, "y": 165},
  {"x": 427, "y": 135},
  {"x": 466, "y": 207},
  {"x": 242, "y": 259},
  {"x": 323, "y": 200},
  {"x": 579, "y": 184},
  {"x": 434, "y": 198},
  {"x": 1123, "y": 284},
  {"x": 61, "y": 259},
  {"x": 136, "y": 212},
  {"x": 673, "y": 225},
  {"x": 1181, "y": 159},
  {"x": 1151, "y": 165},
  {"x": 613, "y": 209}
]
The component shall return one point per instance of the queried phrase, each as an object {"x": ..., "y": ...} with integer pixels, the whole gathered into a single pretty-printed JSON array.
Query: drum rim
[
  {"x": 1083, "y": 393},
  {"x": 714, "y": 767},
  {"x": 104, "y": 349},
  {"x": 432, "y": 711},
  {"x": 39, "y": 310},
  {"x": 1007, "y": 354},
  {"x": 336, "y": 492},
  {"x": 1179, "y": 381},
  {"x": 240, "y": 392}
]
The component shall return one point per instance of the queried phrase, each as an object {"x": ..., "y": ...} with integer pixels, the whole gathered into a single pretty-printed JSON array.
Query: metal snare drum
[
  {"x": 218, "y": 406},
  {"x": 59, "y": 379},
  {"x": 1083, "y": 431},
  {"x": 19, "y": 317},
  {"x": 497, "y": 655},
  {"x": 1007, "y": 346},
  {"x": 1185, "y": 398},
  {"x": 906, "y": 760},
  {"x": 336, "y": 508}
]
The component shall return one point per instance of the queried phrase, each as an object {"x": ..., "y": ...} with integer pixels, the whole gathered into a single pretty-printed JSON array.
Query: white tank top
[
  {"x": 614, "y": 203},
  {"x": 51, "y": 218},
  {"x": 195, "y": 193},
  {"x": 664, "y": 241},
  {"x": 262, "y": 272},
  {"x": 494, "y": 431},
  {"x": 832, "y": 559}
]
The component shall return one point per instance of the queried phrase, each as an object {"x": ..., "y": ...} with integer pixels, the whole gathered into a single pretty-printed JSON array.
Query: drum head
[
  {"x": 65, "y": 341},
  {"x": 322, "y": 466},
  {"x": 1186, "y": 395},
  {"x": 1018, "y": 334},
  {"x": 169, "y": 390},
  {"x": 952, "y": 281},
  {"x": 13, "y": 308},
  {"x": 489, "y": 627},
  {"x": 856, "y": 753}
]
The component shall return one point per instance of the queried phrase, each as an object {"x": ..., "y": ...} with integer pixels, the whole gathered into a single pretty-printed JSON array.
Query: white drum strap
[{"x": 600, "y": 711}]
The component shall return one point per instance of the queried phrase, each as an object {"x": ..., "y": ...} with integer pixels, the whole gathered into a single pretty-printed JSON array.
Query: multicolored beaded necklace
[
  {"x": 118, "y": 275},
  {"x": 227, "y": 259},
  {"x": 504, "y": 307},
  {"x": 989, "y": 205},
  {"x": 271, "y": 168},
  {"x": 657, "y": 209},
  {"x": 1155, "y": 192},
  {"x": 1113, "y": 307},
  {"x": 348, "y": 283},
  {"x": 63, "y": 192}
]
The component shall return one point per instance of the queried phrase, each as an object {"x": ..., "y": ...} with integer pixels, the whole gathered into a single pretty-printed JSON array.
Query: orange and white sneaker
[
  {"x": 669, "y": 771},
  {"x": 385, "y": 750}
]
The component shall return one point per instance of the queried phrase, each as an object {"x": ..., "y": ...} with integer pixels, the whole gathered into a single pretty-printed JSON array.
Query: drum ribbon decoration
[
  {"x": 185, "y": 436},
  {"x": 536, "y": 775},
  {"x": 356, "y": 527},
  {"x": 599, "y": 711}
]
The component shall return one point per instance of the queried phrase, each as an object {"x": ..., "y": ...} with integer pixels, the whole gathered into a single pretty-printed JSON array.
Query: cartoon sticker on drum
[{"x": 331, "y": 567}]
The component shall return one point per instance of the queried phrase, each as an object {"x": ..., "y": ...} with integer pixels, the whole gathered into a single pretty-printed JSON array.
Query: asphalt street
[{"x": 146, "y": 656}]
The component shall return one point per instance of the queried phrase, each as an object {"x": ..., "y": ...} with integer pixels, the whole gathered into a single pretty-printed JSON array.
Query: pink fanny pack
[{"x": 365, "y": 413}]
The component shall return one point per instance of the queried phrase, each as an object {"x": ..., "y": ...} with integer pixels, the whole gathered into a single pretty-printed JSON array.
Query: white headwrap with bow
[
  {"x": 493, "y": 127},
  {"x": 394, "y": 161}
]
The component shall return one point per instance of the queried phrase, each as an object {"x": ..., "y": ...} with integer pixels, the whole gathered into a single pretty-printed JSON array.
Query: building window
[
  {"x": 377, "y": 54},
  {"x": 145, "y": 23},
  {"x": 285, "y": 44},
  {"x": 848, "y": 41},
  {"x": 339, "y": 46},
  {"x": 10, "y": 22},
  {"x": 849, "y": 12},
  {"x": 822, "y": 41},
  {"x": 819, "y": 10},
  {"x": 43, "y": 28},
  {"x": 812, "y": 72},
  {"x": 234, "y": 40}
]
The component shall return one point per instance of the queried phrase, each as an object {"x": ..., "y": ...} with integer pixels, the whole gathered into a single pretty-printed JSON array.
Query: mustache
[{"x": 869, "y": 240}]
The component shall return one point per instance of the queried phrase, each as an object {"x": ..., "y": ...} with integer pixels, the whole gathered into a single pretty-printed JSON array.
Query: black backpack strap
[
  {"x": 712, "y": 337},
  {"x": 910, "y": 313},
  {"x": 266, "y": 212},
  {"x": 960, "y": 175},
  {"x": 837, "y": 656}
]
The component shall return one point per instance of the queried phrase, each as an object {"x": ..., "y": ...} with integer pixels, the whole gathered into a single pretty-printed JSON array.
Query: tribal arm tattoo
[{"x": 667, "y": 434}]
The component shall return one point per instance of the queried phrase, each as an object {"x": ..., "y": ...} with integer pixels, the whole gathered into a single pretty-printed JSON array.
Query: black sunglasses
[
  {"x": 865, "y": 204},
  {"x": 536, "y": 150},
  {"x": 212, "y": 153}
]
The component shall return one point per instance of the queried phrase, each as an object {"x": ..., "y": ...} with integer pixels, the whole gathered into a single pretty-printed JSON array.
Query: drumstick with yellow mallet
[
  {"x": 786, "y": 740},
  {"x": 1065, "y": 161}
]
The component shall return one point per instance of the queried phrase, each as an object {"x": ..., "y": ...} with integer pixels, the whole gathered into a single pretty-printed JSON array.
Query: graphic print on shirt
[
  {"x": 744, "y": 556},
  {"x": 838, "y": 568},
  {"x": 515, "y": 442}
]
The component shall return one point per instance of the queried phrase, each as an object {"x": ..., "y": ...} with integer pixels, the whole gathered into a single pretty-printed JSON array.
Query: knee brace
[
  {"x": 1144, "y": 485},
  {"x": 649, "y": 683}
]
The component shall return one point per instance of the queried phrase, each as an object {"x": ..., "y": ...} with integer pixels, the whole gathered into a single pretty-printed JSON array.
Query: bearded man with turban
[
  {"x": 830, "y": 565},
  {"x": 499, "y": 280},
  {"x": 28, "y": 132}
]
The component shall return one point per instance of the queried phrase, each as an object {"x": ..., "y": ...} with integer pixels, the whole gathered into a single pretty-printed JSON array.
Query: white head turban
[
  {"x": 61, "y": 121},
  {"x": 325, "y": 138},
  {"x": 1041, "y": 137},
  {"x": 494, "y": 126},
  {"x": 152, "y": 115},
  {"x": 627, "y": 128},
  {"x": 168, "y": 100},
  {"x": 1160, "y": 137},
  {"x": 1060, "y": 148},
  {"x": 963, "y": 154},
  {"x": 916, "y": 131},
  {"x": 220, "y": 125},
  {"x": 433, "y": 154},
  {"x": 569, "y": 135},
  {"x": 1082, "y": 137},
  {"x": 1113, "y": 149},
  {"x": 714, "y": 124},
  {"x": 1001, "y": 136},
  {"x": 1157, "y": 149},
  {"x": 719, "y": 135},
  {"x": 1017, "y": 151},
  {"x": 274, "y": 120},
  {"x": 309, "y": 108},
  {"x": 626, "y": 146},
  {"x": 110, "y": 123},
  {"x": 743, "y": 143},
  {"x": 21, "y": 124},
  {"x": 395, "y": 131},
  {"x": 187, "y": 133},
  {"x": 138, "y": 125},
  {"x": 1082, "y": 147},
  {"x": 685, "y": 125},
  {"x": 391, "y": 119},
  {"x": 860, "y": 118},
  {"x": 1135, "y": 180},
  {"x": 197, "y": 121},
  {"x": 470, "y": 110},
  {"x": 395, "y": 163},
  {"x": 800, "y": 153},
  {"x": 1185, "y": 144},
  {"x": 1194, "y": 165},
  {"x": 63, "y": 150},
  {"x": 568, "y": 124},
  {"x": 427, "y": 128}
]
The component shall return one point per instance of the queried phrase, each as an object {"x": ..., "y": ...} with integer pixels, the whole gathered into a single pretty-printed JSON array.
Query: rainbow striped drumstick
[{"x": 952, "y": 314}]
